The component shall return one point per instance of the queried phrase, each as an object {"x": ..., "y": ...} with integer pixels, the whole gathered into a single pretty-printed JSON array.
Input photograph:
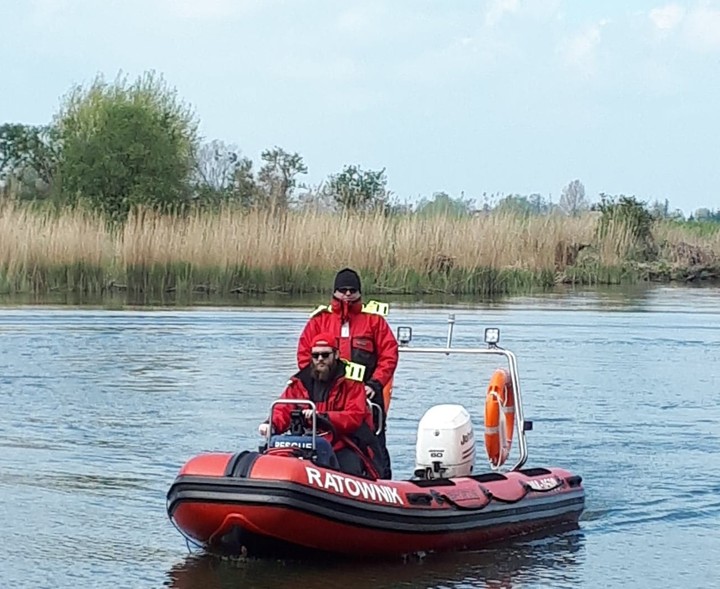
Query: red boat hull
[{"x": 263, "y": 504}]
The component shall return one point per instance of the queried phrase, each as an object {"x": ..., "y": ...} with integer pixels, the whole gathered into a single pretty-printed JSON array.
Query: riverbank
[{"x": 231, "y": 252}]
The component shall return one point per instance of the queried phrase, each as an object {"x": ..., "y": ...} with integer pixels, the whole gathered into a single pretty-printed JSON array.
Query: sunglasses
[
  {"x": 323, "y": 355},
  {"x": 350, "y": 291}
]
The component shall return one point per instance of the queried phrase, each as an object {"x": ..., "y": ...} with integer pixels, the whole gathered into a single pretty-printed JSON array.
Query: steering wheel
[
  {"x": 324, "y": 423},
  {"x": 300, "y": 427}
]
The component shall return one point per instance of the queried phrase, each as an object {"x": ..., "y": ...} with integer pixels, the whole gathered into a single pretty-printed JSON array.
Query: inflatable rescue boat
[{"x": 287, "y": 499}]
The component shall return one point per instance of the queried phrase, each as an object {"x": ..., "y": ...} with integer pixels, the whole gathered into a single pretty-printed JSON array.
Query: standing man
[{"x": 364, "y": 337}]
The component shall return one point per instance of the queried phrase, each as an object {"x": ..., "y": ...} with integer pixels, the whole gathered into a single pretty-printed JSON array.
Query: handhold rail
[{"x": 491, "y": 350}]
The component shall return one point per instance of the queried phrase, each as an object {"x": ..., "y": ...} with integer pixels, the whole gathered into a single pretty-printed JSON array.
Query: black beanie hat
[{"x": 347, "y": 278}]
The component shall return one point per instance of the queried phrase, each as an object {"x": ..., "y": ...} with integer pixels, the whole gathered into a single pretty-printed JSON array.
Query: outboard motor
[{"x": 445, "y": 445}]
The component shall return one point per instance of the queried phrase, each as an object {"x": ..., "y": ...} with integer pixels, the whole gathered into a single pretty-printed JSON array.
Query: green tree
[
  {"x": 514, "y": 204},
  {"x": 223, "y": 175},
  {"x": 442, "y": 204},
  {"x": 660, "y": 210},
  {"x": 539, "y": 205},
  {"x": 705, "y": 214},
  {"x": 126, "y": 144},
  {"x": 631, "y": 213},
  {"x": 277, "y": 177},
  {"x": 356, "y": 189},
  {"x": 29, "y": 157}
]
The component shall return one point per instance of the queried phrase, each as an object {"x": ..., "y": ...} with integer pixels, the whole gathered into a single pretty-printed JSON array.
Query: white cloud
[
  {"x": 697, "y": 28},
  {"x": 702, "y": 28},
  {"x": 580, "y": 49},
  {"x": 498, "y": 8},
  {"x": 362, "y": 19},
  {"x": 667, "y": 17}
]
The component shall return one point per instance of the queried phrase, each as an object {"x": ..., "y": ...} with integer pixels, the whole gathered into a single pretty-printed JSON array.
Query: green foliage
[
  {"x": 707, "y": 215},
  {"x": 63, "y": 277},
  {"x": 595, "y": 274},
  {"x": 514, "y": 204},
  {"x": 442, "y": 204},
  {"x": 707, "y": 228},
  {"x": 278, "y": 177},
  {"x": 223, "y": 176},
  {"x": 355, "y": 189},
  {"x": 124, "y": 145},
  {"x": 631, "y": 213},
  {"x": 396, "y": 208},
  {"x": 661, "y": 210},
  {"x": 28, "y": 158},
  {"x": 539, "y": 205}
]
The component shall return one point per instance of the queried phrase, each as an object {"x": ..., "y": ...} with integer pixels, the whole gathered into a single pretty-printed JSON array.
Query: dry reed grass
[
  {"x": 373, "y": 242},
  {"x": 231, "y": 249}
]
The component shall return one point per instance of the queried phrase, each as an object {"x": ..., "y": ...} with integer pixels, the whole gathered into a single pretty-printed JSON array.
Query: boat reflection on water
[{"x": 547, "y": 561}]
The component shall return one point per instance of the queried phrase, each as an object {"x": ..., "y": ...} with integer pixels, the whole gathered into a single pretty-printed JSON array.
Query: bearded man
[{"x": 337, "y": 389}]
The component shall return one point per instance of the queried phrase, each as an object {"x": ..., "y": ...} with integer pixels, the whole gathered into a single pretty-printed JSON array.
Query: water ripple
[{"x": 100, "y": 409}]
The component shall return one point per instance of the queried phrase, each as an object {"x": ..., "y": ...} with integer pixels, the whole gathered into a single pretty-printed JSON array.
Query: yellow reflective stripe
[
  {"x": 320, "y": 309},
  {"x": 370, "y": 307},
  {"x": 354, "y": 371},
  {"x": 376, "y": 308}
]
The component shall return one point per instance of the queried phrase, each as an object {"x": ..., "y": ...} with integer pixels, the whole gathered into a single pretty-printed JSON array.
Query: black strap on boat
[
  {"x": 419, "y": 498},
  {"x": 535, "y": 472},
  {"x": 433, "y": 482},
  {"x": 240, "y": 464},
  {"x": 494, "y": 497},
  {"x": 574, "y": 480},
  {"x": 527, "y": 487},
  {"x": 489, "y": 477}
]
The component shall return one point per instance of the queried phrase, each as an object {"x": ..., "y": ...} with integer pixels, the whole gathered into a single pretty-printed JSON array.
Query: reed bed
[{"x": 234, "y": 251}]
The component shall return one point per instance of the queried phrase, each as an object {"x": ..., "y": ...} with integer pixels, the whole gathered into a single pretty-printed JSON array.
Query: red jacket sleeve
[
  {"x": 311, "y": 329},
  {"x": 387, "y": 352},
  {"x": 354, "y": 408}
]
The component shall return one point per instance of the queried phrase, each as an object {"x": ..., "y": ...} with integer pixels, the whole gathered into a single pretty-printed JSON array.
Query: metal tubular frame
[
  {"x": 493, "y": 350},
  {"x": 375, "y": 408},
  {"x": 307, "y": 402}
]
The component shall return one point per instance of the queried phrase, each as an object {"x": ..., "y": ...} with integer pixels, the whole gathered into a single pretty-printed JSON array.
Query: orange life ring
[
  {"x": 499, "y": 417},
  {"x": 387, "y": 395}
]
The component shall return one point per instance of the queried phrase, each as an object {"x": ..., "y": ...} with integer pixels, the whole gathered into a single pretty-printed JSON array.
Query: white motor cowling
[{"x": 445, "y": 445}]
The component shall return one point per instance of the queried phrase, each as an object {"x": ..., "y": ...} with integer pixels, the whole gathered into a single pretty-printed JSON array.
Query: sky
[{"x": 466, "y": 97}]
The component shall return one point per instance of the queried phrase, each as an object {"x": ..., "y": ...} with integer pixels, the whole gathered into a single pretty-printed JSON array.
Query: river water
[{"x": 99, "y": 408}]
